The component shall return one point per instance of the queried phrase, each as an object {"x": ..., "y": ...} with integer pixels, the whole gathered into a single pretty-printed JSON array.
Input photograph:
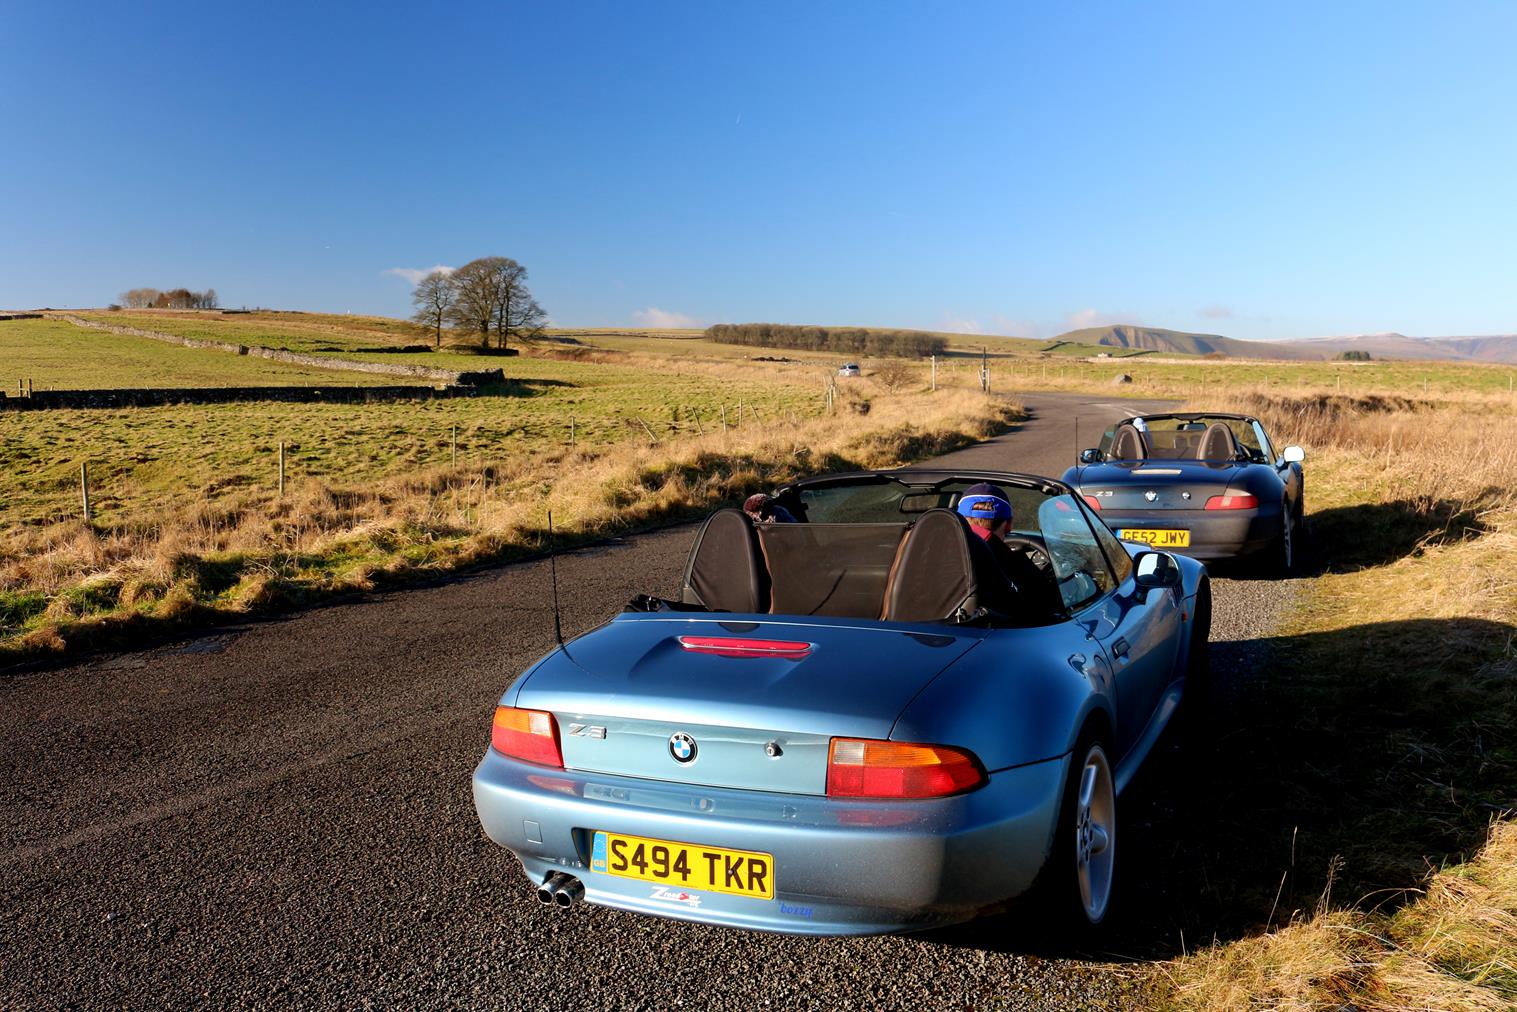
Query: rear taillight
[
  {"x": 1232, "y": 502},
  {"x": 868, "y": 768},
  {"x": 742, "y": 646},
  {"x": 1091, "y": 501},
  {"x": 529, "y": 735}
]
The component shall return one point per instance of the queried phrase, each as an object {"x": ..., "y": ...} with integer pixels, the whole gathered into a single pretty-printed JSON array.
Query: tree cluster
[
  {"x": 178, "y": 298},
  {"x": 485, "y": 297},
  {"x": 1355, "y": 356},
  {"x": 844, "y": 340}
]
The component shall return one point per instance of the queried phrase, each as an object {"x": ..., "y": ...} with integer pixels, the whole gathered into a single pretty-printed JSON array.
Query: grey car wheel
[{"x": 1095, "y": 833}]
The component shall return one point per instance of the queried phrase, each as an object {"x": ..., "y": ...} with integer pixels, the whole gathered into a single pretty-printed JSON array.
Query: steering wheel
[{"x": 1034, "y": 551}]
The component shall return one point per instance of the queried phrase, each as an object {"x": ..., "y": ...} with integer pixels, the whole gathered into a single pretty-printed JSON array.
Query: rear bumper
[
  {"x": 1214, "y": 534},
  {"x": 840, "y": 867}
]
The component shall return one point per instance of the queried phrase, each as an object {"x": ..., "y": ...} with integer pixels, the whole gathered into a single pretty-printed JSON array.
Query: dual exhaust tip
[{"x": 560, "y": 890}]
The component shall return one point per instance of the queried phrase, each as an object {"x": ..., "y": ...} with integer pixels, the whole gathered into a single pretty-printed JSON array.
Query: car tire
[
  {"x": 1280, "y": 557},
  {"x": 1080, "y": 877}
]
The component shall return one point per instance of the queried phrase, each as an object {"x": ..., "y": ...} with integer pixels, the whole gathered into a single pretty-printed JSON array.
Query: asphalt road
[{"x": 279, "y": 815}]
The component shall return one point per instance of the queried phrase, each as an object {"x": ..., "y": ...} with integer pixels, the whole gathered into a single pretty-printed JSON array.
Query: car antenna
[
  {"x": 1077, "y": 439},
  {"x": 558, "y": 629}
]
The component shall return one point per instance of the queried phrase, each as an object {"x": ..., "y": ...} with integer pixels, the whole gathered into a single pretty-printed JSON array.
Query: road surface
[{"x": 279, "y": 815}]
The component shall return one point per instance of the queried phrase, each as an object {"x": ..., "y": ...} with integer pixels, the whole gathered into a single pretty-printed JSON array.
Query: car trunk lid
[
  {"x": 634, "y": 697},
  {"x": 1156, "y": 484}
]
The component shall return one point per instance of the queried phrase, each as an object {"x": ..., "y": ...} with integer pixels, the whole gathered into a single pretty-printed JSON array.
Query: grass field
[
  {"x": 56, "y": 355},
  {"x": 1358, "y": 808},
  {"x": 187, "y": 522}
]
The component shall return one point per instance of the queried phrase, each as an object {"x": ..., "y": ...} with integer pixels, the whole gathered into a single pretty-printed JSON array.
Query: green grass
[
  {"x": 144, "y": 459},
  {"x": 56, "y": 355}
]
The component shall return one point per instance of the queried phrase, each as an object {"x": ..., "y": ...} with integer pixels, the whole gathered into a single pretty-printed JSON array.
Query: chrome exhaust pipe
[
  {"x": 570, "y": 891},
  {"x": 550, "y": 887}
]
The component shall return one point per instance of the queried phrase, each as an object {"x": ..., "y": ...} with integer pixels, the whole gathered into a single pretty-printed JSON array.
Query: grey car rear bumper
[{"x": 840, "y": 867}]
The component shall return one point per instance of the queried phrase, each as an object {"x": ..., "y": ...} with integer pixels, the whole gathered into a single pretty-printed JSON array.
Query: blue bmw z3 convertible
[{"x": 889, "y": 714}]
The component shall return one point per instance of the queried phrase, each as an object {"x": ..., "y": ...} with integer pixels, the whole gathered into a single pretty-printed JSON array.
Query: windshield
[
  {"x": 873, "y": 501},
  {"x": 1180, "y": 438}
]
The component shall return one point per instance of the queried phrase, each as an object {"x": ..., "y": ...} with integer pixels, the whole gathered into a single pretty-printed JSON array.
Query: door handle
[{"x": 1120, "y": 648}]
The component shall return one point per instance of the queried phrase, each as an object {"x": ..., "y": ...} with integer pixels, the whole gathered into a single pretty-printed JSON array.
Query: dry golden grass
[
  {"x": 246, "y": 551},
  {"x": 1418, "y": 507}
]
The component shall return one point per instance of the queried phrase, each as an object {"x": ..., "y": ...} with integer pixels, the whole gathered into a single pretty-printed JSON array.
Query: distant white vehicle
[{"x": 851, "y": 369}]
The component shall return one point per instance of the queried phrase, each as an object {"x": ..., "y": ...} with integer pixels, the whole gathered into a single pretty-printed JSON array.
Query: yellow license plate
[
  {"x": 714, "y": 869},
  {"x": 1159, "y": 539}
]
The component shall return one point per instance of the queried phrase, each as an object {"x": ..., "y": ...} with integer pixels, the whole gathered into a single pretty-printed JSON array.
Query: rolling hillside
[
  {"x": 1178, "y": 342},
  {"x": 1500, "y": 348}
]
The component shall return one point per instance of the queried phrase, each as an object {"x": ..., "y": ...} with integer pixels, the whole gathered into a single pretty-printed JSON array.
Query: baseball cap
[{"x": 986, "y": 501}]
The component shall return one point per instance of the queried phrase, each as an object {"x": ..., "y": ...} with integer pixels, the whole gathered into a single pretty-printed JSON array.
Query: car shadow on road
[{"x": 1354, "y": 764}]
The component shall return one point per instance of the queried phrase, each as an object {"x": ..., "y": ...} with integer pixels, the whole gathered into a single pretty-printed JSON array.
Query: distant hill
[
  {"x": 1178, "y": 342},
  {"x": 1499, "y": 348}
]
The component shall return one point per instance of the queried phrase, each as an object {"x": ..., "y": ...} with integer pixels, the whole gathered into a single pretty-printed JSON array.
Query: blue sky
[{"x": 1262, "y": 170}]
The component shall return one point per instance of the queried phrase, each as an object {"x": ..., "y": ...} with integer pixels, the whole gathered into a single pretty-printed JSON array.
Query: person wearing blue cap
[{"x": 988, "y": 511}]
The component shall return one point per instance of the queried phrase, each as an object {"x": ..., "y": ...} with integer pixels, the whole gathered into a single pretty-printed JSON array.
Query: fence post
[
  {"x": 453, "y": 444},
  {"x": 281, "y": 469},
  {"x": 934, "y": 372},
  {"x": 84, "y": 488},
  {"x": 724, "y": 419},
  {"x": 571, "y": 430}
]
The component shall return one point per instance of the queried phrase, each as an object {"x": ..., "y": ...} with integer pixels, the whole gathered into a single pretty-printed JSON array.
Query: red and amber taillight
[
  {"x": 1232, "y": 502},
  {"x": 528, "y": 735},
  {"x": 869, "y": 768}
]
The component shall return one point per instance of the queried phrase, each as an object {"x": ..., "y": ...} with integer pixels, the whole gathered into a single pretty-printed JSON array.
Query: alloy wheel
[{"x": 1095, "y": 833}]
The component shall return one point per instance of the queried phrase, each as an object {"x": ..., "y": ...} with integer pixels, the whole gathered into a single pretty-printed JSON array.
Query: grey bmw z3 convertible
[
  {"x": 873, "y": 718},
  {"x": 1208, "y": 485}
]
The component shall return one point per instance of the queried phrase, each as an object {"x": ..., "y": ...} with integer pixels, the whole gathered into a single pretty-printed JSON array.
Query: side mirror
[
  {"x": 1156, "y": 569},
  {"x": 1091, "y": 456},
  {"x": 1293, "y": 455}
]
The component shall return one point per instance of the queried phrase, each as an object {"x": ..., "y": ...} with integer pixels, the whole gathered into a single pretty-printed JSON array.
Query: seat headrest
[
  {"x": 726, "y": 570},
  {"x": 944, "y": 571},
  {"x": 1218, "y": 443},
  {"x": 1128, "y": 443}
]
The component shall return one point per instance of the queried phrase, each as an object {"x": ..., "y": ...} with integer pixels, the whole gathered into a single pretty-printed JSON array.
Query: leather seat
[
  {"x": 1218, "y": 443},
  {"x": 726, "y": 570},
  {"x": 1128, "y": 444},
  {"x": 945, "y": 573}
]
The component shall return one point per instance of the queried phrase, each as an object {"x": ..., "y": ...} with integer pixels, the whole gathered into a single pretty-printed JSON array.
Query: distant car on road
[
  {"x": 1211, "y": 486},
  {"x": 851, "y": 369},
  {"x": 853, "y": 723}
]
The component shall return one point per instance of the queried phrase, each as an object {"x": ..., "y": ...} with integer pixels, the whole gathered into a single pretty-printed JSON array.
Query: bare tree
[
  {"x": 492, "y": 296},
  {"x": 475, "y": 287},
  {"x": 434, "y": 300},
  {"x": 139, "y": 298}
]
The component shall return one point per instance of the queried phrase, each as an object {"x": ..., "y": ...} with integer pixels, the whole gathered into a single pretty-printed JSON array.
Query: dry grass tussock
[
  {"x": 246, "y": 550},
  {"x": 1405, "y": 649}
]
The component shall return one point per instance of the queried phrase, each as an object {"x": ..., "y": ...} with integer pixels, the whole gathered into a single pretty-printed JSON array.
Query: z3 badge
[{"x": 668, "y": 895}]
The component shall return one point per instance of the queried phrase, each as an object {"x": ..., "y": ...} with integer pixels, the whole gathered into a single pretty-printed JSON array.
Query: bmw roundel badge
[
  {"x": 682, "y": 747},
  {"x": 1150, "y": 496}
]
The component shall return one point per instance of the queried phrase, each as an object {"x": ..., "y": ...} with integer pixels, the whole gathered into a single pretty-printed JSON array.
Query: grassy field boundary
[{"x": 449, "y": 376}]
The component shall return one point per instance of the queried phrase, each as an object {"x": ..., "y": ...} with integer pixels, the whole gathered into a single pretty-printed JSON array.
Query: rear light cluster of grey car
[{"x": 856, "y": 767}]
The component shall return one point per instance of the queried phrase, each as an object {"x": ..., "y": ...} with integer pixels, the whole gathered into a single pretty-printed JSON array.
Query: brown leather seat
[
  {"x": 726, "y": 570},
  {"x": 1128, "y": 444},
  {"x": 944, "y": 572},
  {"x": 1218, "y": 443}
]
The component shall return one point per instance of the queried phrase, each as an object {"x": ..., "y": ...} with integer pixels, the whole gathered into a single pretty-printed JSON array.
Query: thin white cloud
[
  {"x": 415, "y": 274},
  {"x": 652, "y": 316},
  {"x": 959, "y": 324},
  {"x": 1216, "y": 312},
  {"x": 1008, "y": 326},
  {"x": 1082, "y": 318}
]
